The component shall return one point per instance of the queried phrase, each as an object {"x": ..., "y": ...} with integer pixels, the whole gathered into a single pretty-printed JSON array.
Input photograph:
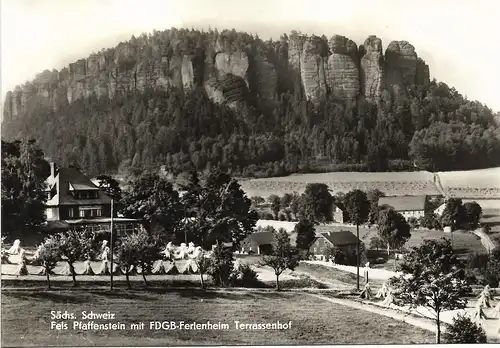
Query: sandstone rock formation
[
  {"x": 400, "y": 66},
  {"x": 343, "y": 68},
  {"x": 313, "y": 66},
  {"x": 372, "y": 68}
]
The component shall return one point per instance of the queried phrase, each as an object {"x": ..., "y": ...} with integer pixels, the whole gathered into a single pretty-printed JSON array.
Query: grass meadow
[{"x": 26, "y": 319}]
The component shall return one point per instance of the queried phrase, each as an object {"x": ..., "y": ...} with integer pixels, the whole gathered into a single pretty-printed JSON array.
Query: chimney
[{"x": 53, "y": 169}]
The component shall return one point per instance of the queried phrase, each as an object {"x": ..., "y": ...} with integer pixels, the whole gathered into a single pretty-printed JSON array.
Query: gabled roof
[
  {"x": 339, "y": 205},
  {"x": 404, "y": 203},
  {"x": 71, "y": 179},
  {"x": 339, "y": 238},
  {"x": 261, "y": 238}
]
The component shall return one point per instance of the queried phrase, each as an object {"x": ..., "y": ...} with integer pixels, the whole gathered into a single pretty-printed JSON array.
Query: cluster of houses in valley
[{"x": 73, "y": 200}]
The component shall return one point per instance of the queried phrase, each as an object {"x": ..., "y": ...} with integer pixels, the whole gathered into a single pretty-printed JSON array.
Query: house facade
[
  {"x": 408, "y": 206},
  {"x": 73, "y": 200},
  {"x": 344, "y": 240},
  {"x": 339, "y": 214},
  {"x": 257, "y": 243}
]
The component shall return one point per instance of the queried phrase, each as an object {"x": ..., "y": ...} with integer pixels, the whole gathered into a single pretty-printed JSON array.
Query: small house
[
  {"x": 339, "y": 213},
  {"x": 408, "y": 206},
  {"x": 258, "y": 243},
  {"x": 345, "y": 240}
]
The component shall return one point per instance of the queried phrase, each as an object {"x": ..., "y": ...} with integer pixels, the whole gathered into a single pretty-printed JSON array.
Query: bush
[
  {"x": 282, "y": 217},
  {"x": 248, "y": 274},
  {"x": 266, "y": 216},
  {"x": 377, "y": 243},
  {"x": 222, "y": 266},
  {"x": 413, "y": 222},
  {"x": 464, "y": 330}
]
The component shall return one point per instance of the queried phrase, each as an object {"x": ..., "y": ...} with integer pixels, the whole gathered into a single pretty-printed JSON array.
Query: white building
[{"x": 408, "y": 206}]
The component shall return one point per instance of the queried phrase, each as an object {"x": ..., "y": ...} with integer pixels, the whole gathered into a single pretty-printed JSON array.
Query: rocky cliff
[{"x": 229, "y": 71}]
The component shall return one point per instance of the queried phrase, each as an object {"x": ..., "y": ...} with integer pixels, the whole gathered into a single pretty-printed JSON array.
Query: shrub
[
  {"x": 266, "y": 216},
  {"x": 247, "y": 273},
  {"x": 282, "y": 217},
  {"x": 464, "y": 330},
  {"x": 377, "y": 243},
  {"x": 413, "y": 222},
  {"x": 222, "y": 266}
]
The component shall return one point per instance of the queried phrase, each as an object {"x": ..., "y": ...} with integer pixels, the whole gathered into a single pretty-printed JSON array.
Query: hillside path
[
  {"x": 439, "y": 186},
  {"x": 422, "y": 323},
  {"x": 485, "y": 239}
]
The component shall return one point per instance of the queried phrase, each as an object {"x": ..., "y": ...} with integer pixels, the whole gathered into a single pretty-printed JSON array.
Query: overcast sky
[{"x": 459, "y": 39}]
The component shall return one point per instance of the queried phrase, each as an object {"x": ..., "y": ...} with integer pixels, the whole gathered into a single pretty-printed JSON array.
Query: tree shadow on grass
[{"x": 54, "y": 296}]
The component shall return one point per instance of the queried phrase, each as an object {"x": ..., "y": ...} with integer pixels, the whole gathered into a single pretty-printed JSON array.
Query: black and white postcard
[{"x": 249, "y": 173}]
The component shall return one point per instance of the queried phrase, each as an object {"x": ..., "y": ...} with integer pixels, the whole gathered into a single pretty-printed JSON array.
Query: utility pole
[
  {"x": 111, "y": 247},
  {"x": 357, "y": 256}
]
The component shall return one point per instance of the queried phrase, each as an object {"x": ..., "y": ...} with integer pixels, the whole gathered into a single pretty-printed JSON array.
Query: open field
[
  {"x": 482, "y": 183},
  {"x": 26, "y": 319},
  {"x": 394, "y": 183}
]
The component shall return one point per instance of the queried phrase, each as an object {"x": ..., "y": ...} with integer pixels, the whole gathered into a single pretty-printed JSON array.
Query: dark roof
[
  {"x": 339, "y": 238},
  {"x": 261, "y": 238},
  {"x": 70, "y": 179},
  {"x": 55, "y": 225},
  {"x": 404, "y": 203},
  {"x": 340, "y": 205}
]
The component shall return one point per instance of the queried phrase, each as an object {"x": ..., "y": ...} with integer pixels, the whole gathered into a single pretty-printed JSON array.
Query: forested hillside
[{"x": 183, "y": 97}]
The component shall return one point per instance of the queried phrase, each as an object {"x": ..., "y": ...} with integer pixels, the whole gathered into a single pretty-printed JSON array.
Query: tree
[
  {"x": 154, "y": 200},
  {"x": 257, "y": 200},
  {"x": 373, "y": 197},
  {"x": 285, "y": 201},
  {"x": 464, "y": 330},
  {"x": 317, "y": 203},
  {"x": 275, "y": 202},
  {"x": 203, "y": 263},
  {"x": 24, "y": 171},
  {"x": 472, "y": 214},
  {"x": 75, "y": 246},
  {"x": 453, "y": 213},
  {"x": 110, "y": 186},
  {"x": 393, "y": 230},
  {"x": 434, "y": 278},
  {"x": 306, "y": 233},
  {"x": 221, "y": 211},
  {"x": 221, "y": 265},
  {"x": 295, "y": 204},
  {"x": 413, "y": 222},
  {"x": 149, "y": 253},
  {"x": 430, "y": 221},
  {"x": 357, "y": 206},
  {"x": 377, "y": 243},
  {"x": 282, "y": 257},
  {"x": 49, "y": 255},
  {"x": 132, "y": 251}
]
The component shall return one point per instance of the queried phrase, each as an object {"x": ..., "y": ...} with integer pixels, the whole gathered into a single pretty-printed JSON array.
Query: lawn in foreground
[{"x": 26, "y": 319}]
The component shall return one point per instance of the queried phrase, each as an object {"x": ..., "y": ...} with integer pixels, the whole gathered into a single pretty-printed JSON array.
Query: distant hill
[{"x": 182, "y": 98}]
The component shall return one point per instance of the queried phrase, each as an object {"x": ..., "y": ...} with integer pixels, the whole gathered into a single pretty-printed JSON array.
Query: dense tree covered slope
[{"x": 302, "y": 103}]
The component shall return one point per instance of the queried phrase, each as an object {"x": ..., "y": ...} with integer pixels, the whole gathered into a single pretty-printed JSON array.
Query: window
[
  {"x": 71, "y": 212},
  {"x": 92, "y": 211}
]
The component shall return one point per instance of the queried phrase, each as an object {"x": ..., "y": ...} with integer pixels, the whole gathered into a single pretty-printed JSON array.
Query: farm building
[
  {"x": 345, "y": 240},
  {"x": 260, "y": 241},
  {"x": 257, "y": 243},
  {"x": 408, "y": 206},
  {"x": 339, "y": 214}
]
